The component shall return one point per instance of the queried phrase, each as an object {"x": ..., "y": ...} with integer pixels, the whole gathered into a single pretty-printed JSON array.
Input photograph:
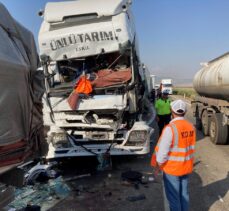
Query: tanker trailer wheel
[
  {"x": 205, "y": 123},
  {"x": 218, "y": 132},
  {"x": 198, "y": 123}
]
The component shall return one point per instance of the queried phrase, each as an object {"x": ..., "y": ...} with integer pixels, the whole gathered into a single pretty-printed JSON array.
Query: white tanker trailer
[{"x": 211, "y": 107}]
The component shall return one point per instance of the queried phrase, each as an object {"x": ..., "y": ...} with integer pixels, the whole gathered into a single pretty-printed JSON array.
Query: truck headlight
[
  {"x": 59, "y": 140},
  {"x": 137, "y": 138}
]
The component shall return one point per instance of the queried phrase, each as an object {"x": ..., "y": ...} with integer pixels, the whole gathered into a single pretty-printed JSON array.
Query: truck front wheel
[{"x": 218, "y": 131}]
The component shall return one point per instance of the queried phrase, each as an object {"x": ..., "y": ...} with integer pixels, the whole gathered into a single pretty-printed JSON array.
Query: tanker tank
[{"x": 213, "y": 79}]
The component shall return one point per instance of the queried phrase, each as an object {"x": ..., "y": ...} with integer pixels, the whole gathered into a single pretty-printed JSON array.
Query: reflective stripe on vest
[
  {"x": 182, "y": 159},
  {"x": 176, "y": 135},
  {"x": 185, "y": 150}
]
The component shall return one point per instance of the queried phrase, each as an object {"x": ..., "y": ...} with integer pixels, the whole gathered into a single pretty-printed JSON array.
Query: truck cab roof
[
  {"x": 58, "y": 11},
  {"x": 76, "y": 29}
]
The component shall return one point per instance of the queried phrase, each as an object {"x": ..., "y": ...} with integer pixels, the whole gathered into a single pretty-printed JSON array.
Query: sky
[{"x": 175, "y": 36}]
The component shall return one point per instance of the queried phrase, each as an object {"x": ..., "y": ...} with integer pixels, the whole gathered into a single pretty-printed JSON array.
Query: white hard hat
[{"x": 178, "y": 106}]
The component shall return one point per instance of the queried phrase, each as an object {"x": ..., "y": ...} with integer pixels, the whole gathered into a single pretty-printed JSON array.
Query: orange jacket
[
  {"x": 83, "y": 86},
  {"x": 180, "y": 156}
]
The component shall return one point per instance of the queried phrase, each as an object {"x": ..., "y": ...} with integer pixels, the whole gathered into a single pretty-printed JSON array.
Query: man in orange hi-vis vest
[{"x": 173, "y": 155}]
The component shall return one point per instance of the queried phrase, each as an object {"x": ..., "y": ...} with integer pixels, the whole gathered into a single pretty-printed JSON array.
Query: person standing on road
[
  {"x": 174, "y": 156},
  {"x": 162, "y": 106}
]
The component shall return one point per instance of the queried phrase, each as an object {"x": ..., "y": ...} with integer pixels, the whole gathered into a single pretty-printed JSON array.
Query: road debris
[
  {"x": 6, "y": 195},
  {"x": 104, "y": 161},
  {"x": 132, "y": 176},
  {"x": 220, "y": 198},
  {"x": 126, "y": 183},
  {"x": 144, "y": 180},
  {"x": 54, "y": 190},
  {"x": 41, "y": 172},
  {"x": 109, "y": 194},
  {"x": 151, "y": 179},
  {"x": 31, "y": 208},
  {"x": 76, "y": 177},
  {"x": 136, "y": 198}
]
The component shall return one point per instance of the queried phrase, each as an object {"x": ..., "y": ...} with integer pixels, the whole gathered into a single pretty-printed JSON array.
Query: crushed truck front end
[{"x": 116, "y": 116}]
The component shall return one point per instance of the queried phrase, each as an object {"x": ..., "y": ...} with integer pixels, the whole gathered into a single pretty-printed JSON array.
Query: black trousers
[{"x": 163, "y": 120}]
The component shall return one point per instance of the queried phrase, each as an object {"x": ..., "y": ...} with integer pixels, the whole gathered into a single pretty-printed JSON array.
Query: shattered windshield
[{"x": 114, "y": 66}]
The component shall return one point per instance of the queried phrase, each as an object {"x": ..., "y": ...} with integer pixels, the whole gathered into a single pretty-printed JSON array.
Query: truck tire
[
  {"x": 205, "y": 123},
  {"x": 218, "y": 132},
  {"x": 198, "y": 123}
]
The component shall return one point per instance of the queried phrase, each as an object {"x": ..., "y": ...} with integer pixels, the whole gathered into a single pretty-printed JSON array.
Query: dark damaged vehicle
[{"x": 21, "y": 91}]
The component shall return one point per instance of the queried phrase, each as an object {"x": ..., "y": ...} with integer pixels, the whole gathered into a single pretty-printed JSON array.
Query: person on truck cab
[
  {"x": 163, "y": 110},
  {"x": 173, "y": 155}
]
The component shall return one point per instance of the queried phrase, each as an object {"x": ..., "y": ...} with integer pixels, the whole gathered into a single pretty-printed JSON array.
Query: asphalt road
[{"x": 209, "y": 183}]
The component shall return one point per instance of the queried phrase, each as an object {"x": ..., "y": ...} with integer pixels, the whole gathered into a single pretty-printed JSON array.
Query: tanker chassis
[
  {"x": 212, "y": 117},
  {"x": 211, "y": 107}
]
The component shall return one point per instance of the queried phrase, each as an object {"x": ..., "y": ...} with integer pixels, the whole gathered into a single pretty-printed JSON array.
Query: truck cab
[
  {"x": 166, "y": 86},
  {"x": 78, "y": 39}
]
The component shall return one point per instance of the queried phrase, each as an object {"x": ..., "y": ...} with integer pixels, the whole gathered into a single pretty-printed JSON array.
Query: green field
[{"x": 188, "y": 92}]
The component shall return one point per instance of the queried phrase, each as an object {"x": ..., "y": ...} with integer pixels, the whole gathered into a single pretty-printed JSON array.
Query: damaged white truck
[{"x": 95, "y": 99}]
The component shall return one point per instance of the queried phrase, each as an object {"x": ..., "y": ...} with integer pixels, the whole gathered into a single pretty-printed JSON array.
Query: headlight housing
[
  {"x": 137, "y": 138},
  {"x": 59, "y": 140}
]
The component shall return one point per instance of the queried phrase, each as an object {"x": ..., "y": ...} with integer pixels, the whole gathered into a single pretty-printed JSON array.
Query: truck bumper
[{"x": 94, "y": 150}]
